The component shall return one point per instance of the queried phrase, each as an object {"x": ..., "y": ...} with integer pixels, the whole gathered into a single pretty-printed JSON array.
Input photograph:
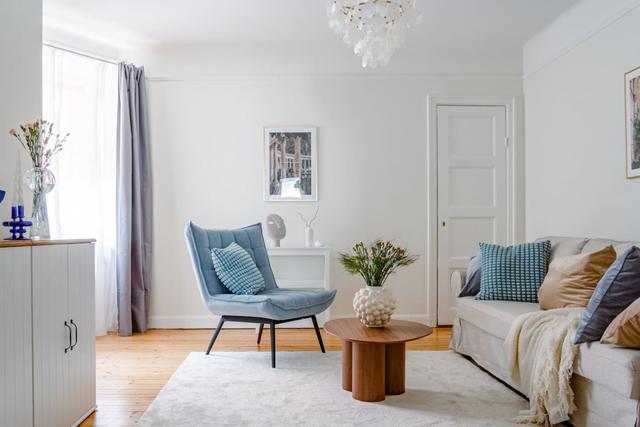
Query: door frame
[{"x": 513, "y": 105}]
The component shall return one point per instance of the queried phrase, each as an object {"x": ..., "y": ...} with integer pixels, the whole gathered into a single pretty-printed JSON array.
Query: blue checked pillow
[
  {"x": 513, "y": 273},
  {"x": 236, "y": 270}
]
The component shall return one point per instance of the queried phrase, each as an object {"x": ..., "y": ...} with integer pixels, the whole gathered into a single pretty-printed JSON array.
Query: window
[
  {"x": 80, "y": 96},
  {"x": 290, "y": 171}
]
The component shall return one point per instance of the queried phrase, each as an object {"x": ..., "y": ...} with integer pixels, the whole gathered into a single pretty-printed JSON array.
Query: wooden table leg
[
  {"x": 394, "y": 368},
  {"x": 368, "y": 371},
  {"x": 346, "y": 365}
]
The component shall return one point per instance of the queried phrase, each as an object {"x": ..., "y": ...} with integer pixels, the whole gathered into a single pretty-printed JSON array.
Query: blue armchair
[{"x": 272, "y": 306}]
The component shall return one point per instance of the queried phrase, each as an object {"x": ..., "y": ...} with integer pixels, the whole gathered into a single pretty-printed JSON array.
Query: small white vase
[
  {"x": 374, "y": 306},
  {"x": 308, "y": 237}
]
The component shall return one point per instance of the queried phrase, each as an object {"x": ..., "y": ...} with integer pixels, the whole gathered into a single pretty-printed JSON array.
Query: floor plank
[{"x": 132, "y": 370}]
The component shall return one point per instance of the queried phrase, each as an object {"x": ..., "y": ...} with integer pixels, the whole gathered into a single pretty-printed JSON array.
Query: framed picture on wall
[
  {"x": 291, "y": 164},
  {"x": 632, "y": 121}
]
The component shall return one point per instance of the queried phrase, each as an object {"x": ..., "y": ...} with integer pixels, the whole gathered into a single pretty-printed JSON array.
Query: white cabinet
[
  {"x": 302, "y": 268},
  {"x": 61, "y": 331},
  {"x": 82, "y": 358},
  {"x": 51, "y": 335},
  {"x": 16, "y": 406}
]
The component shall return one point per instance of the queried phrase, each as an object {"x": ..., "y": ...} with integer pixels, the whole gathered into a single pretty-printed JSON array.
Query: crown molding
[
  {"x": 254, "y": 77},
  {"x": 574, "y": 27}
]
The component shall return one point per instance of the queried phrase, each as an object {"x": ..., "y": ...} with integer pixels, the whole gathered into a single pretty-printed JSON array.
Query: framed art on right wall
[{"x": 632, "y": 121}]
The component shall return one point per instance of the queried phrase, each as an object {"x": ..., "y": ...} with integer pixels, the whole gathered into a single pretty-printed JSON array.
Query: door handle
[
  {"x": 76, "y": 328},
  {"x": 68, "y": 327}
]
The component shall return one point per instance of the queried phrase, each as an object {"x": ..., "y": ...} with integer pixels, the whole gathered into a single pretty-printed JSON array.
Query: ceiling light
[{"x": 374, "y": 28}]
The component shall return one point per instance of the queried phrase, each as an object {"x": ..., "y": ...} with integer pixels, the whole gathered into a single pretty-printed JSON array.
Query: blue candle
[
  {"x": 20, "y": 211},
  {"x": 14, "y": 212}
]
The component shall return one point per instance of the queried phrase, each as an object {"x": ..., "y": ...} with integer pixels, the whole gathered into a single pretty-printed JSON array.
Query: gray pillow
[
  {"x": 472, "y": 278},
  {"x": 618, "y": 288}
]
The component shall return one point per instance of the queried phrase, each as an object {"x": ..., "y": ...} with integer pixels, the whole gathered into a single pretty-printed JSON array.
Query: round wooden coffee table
[{"x": 373, "y": 359}]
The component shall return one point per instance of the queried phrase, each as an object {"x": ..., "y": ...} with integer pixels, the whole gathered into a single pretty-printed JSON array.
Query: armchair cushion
[
  {"x": 236, "y": 270},
  {"x": 200, "y": 242},
  {"x": 277, "y": 304}
]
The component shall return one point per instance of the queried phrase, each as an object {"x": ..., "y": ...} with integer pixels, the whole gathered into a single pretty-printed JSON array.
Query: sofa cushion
[
  {"x": 494, "y": 317},
  {"x": 513, "y": 273},
  {"x": 624, "y": 330},
  {"x": 597, "y": 244},
  {"x": 564, "y": 246},
  {"x": 571, "y": 280},
  {"x": 620, "y": 247},
  {"x": 472, "y": 278},
  {"x": 619, "y": 287},
  {"x": 614, "y": 367}
]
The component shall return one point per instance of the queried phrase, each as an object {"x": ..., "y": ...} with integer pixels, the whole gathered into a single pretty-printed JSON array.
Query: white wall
[
  {"x": 574, "y": 115},
  {"x": 208, "y": 105},
  {"x": 207, "y": 160},
  {"x": 20, "y": 90}
]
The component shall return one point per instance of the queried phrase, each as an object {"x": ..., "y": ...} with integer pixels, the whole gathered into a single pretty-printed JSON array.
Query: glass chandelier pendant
[{"x": 374, "y": 28}]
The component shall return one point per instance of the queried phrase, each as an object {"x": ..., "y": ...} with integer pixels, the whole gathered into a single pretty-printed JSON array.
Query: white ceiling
[{"x": 459, "y": 25}]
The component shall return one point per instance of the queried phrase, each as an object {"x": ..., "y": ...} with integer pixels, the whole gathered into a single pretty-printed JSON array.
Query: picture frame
[
  {"x": 632, "y": 122},
  {"x": 290, "y": 164}
]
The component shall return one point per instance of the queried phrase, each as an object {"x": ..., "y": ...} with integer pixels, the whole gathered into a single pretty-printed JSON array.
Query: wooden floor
[{"x": 132, "y": 370}]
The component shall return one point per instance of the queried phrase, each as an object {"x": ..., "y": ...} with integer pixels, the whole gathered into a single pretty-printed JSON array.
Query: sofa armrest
[{"x": 457, "y": 282}]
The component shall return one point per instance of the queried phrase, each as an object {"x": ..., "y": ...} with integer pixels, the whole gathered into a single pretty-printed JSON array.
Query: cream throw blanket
[{"x": 540, "y": 354}]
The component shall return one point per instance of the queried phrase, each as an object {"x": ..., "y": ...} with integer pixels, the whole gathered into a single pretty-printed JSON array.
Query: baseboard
[
  {"x": 210, "y": 321},
  {"x": 85, "y": 416},
  {"x": 194, "y": 322}
]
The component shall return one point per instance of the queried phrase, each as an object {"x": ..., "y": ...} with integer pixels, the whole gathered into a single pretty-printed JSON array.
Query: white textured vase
[
  {"x": 308, "y": 237},
  {"x": 374, "y": 306}
]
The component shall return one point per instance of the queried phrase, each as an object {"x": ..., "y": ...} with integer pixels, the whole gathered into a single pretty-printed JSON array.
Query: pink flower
[{"x": 12, "y": 132}]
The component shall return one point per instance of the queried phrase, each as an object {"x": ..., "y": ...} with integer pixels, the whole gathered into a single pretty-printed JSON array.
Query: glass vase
[{"x": 40, "y": 181}]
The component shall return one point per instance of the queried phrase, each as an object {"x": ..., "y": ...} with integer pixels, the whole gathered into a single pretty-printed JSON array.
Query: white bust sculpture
[{"x": 276, "y": 229}]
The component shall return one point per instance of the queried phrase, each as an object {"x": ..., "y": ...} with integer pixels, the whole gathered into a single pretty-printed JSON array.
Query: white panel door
[
  {"x": 82, "y": 356},
  {"x": 472, "y": 190},
  {"x": 16, "y": 407},
  {"x": 51, "y": 335}
]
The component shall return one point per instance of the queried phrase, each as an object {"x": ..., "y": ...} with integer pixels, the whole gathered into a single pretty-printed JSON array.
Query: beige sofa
[{"x": 606, "y": 378}]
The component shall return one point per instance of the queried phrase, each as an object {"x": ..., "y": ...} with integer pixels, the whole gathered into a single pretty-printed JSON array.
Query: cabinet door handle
[
  {"x": 76, "y": 328},
  {"x": 68, "y": 327}
]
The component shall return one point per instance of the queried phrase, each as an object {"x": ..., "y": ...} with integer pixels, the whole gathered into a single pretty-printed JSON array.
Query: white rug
[{"x": 238, "y": 389}]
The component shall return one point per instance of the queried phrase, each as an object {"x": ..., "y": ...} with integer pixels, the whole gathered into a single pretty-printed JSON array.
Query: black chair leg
[
  {"x": 215, "y": 334},
  {"x": 272, "y": 333},
  {"x": 260, "y": 332},
  {"x": 315, "y": 326}
]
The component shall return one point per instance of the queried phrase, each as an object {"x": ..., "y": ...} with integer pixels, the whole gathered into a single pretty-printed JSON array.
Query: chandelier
[{"x": 374, "y": 28}]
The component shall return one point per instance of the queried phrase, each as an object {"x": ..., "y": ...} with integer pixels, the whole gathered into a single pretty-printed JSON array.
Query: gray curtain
[{"x": 134, "y": 203}]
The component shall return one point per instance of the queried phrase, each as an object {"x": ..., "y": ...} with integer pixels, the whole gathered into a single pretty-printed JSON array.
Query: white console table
[{"x": 302, "y": 268}]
